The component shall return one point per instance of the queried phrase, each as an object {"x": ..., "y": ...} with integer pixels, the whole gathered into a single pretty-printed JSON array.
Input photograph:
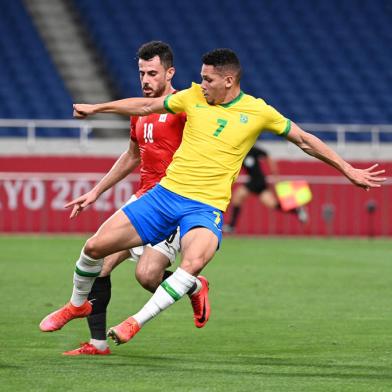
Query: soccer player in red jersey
[{"x": 153, "y": 141}]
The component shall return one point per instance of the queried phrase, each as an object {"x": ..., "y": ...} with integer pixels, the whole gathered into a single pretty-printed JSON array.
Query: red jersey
[{"x": 158, "y": 137}]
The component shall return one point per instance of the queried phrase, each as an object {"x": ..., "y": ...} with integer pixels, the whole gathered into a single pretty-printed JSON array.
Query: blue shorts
[{"x": 157, "y": 214}]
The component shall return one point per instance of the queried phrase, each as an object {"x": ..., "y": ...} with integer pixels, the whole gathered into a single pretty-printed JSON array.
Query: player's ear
[
  {"x": 229, "y": 81},
  {"x": 170, "y": 73}
]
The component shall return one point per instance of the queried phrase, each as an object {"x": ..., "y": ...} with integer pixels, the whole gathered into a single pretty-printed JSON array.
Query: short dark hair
[
  {"x": 157, "y": 48},
  {"x": 225, "y": 59}
]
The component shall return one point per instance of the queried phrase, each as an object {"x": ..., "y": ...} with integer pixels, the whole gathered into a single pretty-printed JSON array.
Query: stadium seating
[
  {"x": 325, "y": 61},
  {"x": 30, "y": 86}
]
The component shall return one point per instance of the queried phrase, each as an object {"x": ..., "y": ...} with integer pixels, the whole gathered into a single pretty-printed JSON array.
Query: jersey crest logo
[
  {"x": 243, "y": 118},
  {"x": 163, "y": 117}
]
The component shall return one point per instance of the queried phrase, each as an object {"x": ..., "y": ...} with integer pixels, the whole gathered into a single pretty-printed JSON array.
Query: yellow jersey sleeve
[
  {"x": 177, "y": 103},
  {"x": 275, "y": 121}
]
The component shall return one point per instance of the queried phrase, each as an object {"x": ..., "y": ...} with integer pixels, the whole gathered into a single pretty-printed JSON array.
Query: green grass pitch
[{"x": 287, "y": 315}]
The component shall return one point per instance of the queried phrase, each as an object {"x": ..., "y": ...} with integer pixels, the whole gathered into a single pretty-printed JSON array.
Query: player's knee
[
  {"x": 193, "y": 265},
  {"x": 147, "y": 282},
  {"x": 148, "y": 278},
  {"x": 92, "y": 248}
]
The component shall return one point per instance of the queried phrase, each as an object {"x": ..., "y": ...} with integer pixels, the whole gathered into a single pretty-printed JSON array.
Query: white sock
[
  {"x": 99, "y": 344},
  {"x": 87, "y": 269},
  {"x": 170, "y": 291}
]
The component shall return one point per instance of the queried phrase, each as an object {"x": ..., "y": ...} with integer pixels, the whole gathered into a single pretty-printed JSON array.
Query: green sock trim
[
  {"x": 173, "y": 293},
  {"x": 88, "y": 274}
]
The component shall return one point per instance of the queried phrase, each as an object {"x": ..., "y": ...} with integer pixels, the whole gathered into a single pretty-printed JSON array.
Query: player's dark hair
[
  {"x": 157, "y": 48},
  {"x": 225, "y": 59}
]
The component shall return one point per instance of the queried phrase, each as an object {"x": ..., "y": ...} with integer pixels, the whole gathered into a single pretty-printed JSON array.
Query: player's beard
[{"x": 154, "y": 93}]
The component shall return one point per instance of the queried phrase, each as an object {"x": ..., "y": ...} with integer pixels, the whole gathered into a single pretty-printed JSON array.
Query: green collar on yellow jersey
[{"x": 232, "y": 102}]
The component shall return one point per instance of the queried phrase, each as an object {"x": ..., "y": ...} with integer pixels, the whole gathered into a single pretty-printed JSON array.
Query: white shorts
[{"x": 170, "y": 247}]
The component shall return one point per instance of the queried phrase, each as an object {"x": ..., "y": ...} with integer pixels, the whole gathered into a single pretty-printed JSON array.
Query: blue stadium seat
[
  {"x": 30, "y": 86},
  {"x": 323, "y": 61}
]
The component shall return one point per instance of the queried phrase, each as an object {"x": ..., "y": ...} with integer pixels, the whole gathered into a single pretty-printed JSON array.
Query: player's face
[
  {"x": 214, "y": 85},
  {"x": 154, "y": 78}
]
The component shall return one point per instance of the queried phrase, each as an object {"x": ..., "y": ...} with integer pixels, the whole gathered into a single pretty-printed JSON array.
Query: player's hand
[
  {"x": 80, "y": 203},
  {"x": 366, "y": 178},
  {"x": 82, "y": 110}
]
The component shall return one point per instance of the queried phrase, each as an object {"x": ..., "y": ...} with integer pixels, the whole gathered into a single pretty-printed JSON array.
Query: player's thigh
[
  {"x": 112, "y": 261},
  {"x": 154, "y": 215},
  {"x": 268, "y": 198},
  {"x": 117, "y": 233},
  {"x": 239, "y": 195},
  {"x": 198, "y": 246},
  {"x": 151, "y": 264}
]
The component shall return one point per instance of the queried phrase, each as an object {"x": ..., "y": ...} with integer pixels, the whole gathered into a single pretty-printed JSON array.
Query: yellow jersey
[{"x": 215, "y": 140}]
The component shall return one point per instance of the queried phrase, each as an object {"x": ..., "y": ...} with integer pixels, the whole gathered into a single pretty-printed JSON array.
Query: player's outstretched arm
[
  {"x": 364, "y": 178},
  {"x": 128, "y": 107}
]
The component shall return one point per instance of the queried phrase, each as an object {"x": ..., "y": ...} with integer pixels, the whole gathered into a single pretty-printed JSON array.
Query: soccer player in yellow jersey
[{"x": 222, "y": 125}]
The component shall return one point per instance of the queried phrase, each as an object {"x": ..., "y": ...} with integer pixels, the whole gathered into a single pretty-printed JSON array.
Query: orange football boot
[
  {"x": 201, "y": 304},
  {"x": 88, "y": 349},
  {"x": 62, "y": 316},
  {"x": 124, "y": 331}
]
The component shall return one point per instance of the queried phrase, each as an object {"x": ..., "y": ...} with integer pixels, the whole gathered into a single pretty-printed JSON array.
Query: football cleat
[
  {"x": 124, "y": 331},
  {"x": 59, "y": 318},
  {"x": 87, "y": 349},
  {"x": 302, "y": 215},
  {"x": 201, "y": 304}
]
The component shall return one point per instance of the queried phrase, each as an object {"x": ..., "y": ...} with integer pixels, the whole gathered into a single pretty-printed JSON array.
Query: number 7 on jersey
[{"x": 222, "y": 123}]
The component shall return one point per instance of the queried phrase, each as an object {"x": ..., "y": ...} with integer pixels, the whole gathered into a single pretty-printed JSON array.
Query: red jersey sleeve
[
  {"x": 132, "y": 128},
  {"x": 183, "y": 118}
]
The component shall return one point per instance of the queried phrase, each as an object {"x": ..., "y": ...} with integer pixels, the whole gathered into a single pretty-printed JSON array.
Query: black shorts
[{"x": 257, "y": 185}]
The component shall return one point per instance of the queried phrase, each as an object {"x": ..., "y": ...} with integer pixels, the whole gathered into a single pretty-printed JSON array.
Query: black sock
[
  {"x": 166, "y": 274},
  {"x": 192, "y": 289},
  {"x": 99, "y": 296},
  {"x": 234, "y": 215}
]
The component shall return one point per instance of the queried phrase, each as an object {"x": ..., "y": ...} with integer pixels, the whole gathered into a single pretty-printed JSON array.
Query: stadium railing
[
  {"x": 340, "y": 132},
  {"x": 33, "y": 202},
  {"x": 85, "y": 127}
]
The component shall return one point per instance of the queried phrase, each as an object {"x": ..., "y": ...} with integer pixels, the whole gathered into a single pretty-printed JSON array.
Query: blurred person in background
[{"x": 257, "y": 185}]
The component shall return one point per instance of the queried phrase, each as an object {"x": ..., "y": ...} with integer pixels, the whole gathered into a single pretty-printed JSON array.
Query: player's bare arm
[
  {"x": 125, "y": 164},
  {"x": 128, "y": 107},
  {"x": 364, "y": 178}
]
